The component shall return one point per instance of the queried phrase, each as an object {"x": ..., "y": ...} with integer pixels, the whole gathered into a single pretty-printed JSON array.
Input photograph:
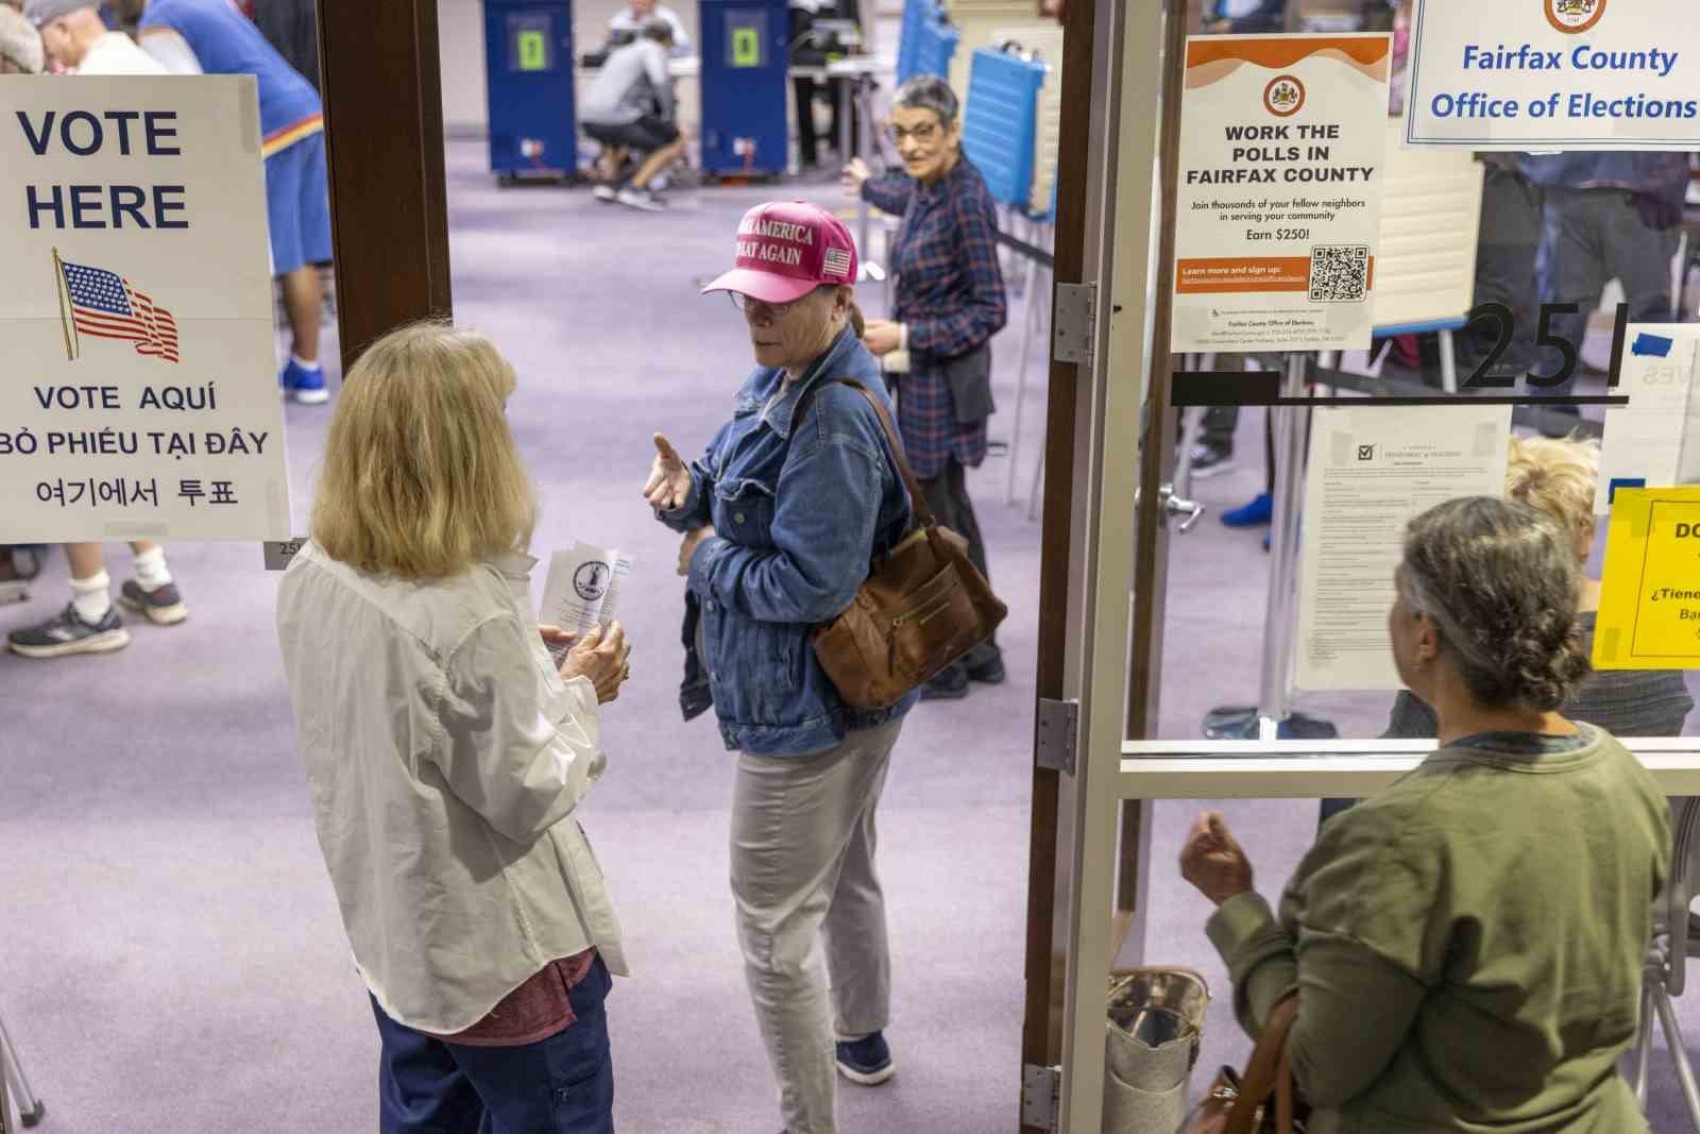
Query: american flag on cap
[{"x": 105, "y": 305}]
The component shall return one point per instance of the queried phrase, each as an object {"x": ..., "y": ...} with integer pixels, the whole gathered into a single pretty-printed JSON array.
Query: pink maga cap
[{"x": 786, "y": 249}]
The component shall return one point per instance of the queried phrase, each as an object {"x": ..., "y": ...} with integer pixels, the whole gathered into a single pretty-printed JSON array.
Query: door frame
[
  {"x": 1107, "y": 650},
  {"x": 1092, "y": 533},
  {"x": 380, "y": 74}
]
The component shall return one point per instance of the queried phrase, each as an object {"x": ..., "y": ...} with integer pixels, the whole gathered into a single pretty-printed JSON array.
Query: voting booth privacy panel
[
  {"x": 141, "y": 399},
  {"x": 999, "y": 124},
  {"x": 1044, "y": 42},
  {"x": 746, "y": 58},
  {"x": 926, "y": 40},
  {"x": 1430, "y": 218},
  {"x": 528, "y": 61}
]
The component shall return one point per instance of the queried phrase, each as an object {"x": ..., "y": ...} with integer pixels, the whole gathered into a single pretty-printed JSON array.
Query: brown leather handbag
[
  {"x": 1264, "y": 1101},
  {"x": 923, "y": 606}
]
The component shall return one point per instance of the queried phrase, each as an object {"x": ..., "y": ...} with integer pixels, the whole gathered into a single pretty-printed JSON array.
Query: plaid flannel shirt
[{"x": 950, "y": 295}]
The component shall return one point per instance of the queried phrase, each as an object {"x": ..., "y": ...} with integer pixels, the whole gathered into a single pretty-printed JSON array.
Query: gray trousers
[
  {"x": 1591, "y": 237},
  {"x": 803, "y": 866},
  {"x": 1510, "y": 239}
]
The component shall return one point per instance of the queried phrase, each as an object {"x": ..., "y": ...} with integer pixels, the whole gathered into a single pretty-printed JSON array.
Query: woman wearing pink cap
[{"x": 782, "y": 514}]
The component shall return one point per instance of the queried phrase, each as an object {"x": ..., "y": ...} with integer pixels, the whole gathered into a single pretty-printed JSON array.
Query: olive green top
[{"x": 1468, "y": 946}]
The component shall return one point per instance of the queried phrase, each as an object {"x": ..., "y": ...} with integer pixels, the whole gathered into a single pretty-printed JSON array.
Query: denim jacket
[{"x": 799, "y": 503}]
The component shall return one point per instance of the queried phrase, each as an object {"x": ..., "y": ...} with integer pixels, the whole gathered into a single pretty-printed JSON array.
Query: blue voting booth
[
  {"x": 746, "y": 58},
  {"x": 927, "y": 40},
  {"x": 528, "y": 69},
  {"x": 1000, "y": 127}
]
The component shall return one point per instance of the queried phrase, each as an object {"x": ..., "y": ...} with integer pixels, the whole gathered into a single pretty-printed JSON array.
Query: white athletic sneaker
[{"x": 641, "y": 199}]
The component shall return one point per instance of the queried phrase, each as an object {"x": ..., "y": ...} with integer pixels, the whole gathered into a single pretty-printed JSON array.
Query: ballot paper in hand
[{"x": 583, "y": 588}]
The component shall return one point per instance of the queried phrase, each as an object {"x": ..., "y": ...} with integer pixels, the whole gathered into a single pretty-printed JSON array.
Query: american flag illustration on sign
[
  {"x": 838, "y": 261},
  {"x": 105, "y": 305}
]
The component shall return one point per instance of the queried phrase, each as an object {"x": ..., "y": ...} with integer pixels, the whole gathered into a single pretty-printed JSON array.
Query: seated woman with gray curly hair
[{"x": 1467, "y": 946}]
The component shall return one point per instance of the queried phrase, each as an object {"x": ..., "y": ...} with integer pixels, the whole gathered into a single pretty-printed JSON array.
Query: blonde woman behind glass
[{"x": 446, "y": 755}]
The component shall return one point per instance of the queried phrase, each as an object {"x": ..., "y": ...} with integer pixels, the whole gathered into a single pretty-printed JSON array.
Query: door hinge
[
  {"x": 1058, "y": 734},
  {"x": 1075, "y": 323},
  {"x": 1041, "y": 1094}
]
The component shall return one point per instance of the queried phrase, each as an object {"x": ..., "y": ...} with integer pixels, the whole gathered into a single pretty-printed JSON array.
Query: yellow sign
[
  {"x": 746, "y": 47},
  {"x": 533, "y": 51},
  {"x": 1650, "y": 596}
]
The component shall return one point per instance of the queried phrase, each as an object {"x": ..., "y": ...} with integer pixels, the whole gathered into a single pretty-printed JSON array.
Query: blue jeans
[{"x": 561, "y": 1085}]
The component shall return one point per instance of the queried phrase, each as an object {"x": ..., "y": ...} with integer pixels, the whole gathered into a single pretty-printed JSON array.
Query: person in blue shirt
[{"x": 225, "y": 42}]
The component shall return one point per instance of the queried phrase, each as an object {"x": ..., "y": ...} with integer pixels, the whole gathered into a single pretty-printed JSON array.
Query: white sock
[
  {"x": 302, "y": 362},
  {"x": 92, "y": 597},
  {"x": 151, "y": 571}
]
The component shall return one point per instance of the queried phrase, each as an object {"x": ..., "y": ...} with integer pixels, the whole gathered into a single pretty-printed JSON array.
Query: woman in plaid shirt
[{"x": 950, "y": 302}]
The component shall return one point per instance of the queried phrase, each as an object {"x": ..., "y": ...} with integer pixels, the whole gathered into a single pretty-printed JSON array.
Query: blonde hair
[
  {"x": 1557, "y": 477},
  {"x": 421, "y": 475}
]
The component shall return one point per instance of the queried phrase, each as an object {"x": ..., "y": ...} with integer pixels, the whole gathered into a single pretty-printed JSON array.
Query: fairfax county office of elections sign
[
  {"x": 1555, "y": 74},
  {"x": 140, "y": 399}
]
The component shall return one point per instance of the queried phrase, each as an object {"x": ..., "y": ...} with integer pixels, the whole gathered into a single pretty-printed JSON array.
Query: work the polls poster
[
  {"x": 1280, "y": 189},
  {"x": 140, "y": 396}
]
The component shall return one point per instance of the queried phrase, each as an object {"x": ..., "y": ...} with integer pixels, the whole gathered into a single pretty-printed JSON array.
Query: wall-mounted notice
[
  {"x": 140, "y": 399},
  {"x": 1650, "y": 590},
  {"x": 1643, "y": 441},
  {"x": 1281, "y": 174},
  {"x": 1555, "y": 74},
  {"x": 1372, "y": 471}
]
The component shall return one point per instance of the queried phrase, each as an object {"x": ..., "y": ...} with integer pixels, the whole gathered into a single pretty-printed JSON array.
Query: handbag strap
[
  {"x": 1268, "y": 1073},
  {"x": 918, "y": 501}
]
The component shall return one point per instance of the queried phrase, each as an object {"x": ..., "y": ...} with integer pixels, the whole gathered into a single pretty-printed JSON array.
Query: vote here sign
[
  {"x": 1555, "y": 74},
  {"x": 140, "y": 396},
  {"x": 1280, "y": 185}
]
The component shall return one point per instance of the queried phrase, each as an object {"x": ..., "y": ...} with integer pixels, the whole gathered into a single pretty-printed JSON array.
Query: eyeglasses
[
  {"x": 926, "y": 134},
  {"x": 743, "y": 303}
]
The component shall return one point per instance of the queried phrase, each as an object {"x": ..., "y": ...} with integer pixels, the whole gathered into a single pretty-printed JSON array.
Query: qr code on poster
[{"x": 1339, "y": 273}]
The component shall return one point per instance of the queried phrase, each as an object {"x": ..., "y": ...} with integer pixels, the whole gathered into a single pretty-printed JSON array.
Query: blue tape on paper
[
  {"x": 1655, "y": 345},
  {"x": 1624, "y": 482}
]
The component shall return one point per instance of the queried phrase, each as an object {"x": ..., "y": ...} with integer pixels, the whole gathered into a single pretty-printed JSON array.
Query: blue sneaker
[
  {"x": 866, "y": 1061},
  {"x": 303, "y": 385},
  {"x": 68, "y": 634},
  {"x": 1253, "y": 515}
]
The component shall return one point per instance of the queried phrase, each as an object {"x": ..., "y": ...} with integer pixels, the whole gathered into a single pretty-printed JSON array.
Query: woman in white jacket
[{"x": 446, "y": 752}]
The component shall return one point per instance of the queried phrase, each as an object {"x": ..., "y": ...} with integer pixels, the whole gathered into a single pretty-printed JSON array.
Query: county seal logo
[
  {"x": 591, "y": 581},
  {"x": 1573, "y": 17},
  {"x": 1285, "y": 95}
]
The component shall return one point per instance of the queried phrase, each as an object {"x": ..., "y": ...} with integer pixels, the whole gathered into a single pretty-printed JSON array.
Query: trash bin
[{"x": 1155, "y": 1026}]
